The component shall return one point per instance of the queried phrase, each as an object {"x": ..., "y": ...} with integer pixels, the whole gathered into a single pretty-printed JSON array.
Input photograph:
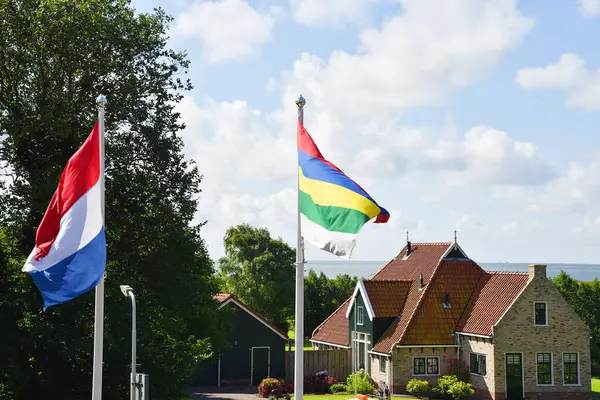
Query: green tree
[
  {"x": 56, "y": 56},
  {"x": 584, "y": 297},
  {"x": 323, "y": 295},
  {"x": 260, "y": 271}
]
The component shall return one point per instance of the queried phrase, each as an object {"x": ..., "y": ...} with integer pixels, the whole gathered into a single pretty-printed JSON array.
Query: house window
[
  {"x": 571, "y": 368},
  {"x": 426, "y": 366},
  {"x": 541, "y": 313},
  {"x": 361, "y": 317},
  {"x": 383, "y": 365},
  {"x": 544, "y": 368},
  {"x": 477, "y": 362}
]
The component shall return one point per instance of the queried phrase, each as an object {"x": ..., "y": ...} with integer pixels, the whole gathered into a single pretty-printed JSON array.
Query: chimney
[
  {"x": 537, "y": 271},
  {"x": 408, "y": 248},
  {"x": 421, "y": 283}
]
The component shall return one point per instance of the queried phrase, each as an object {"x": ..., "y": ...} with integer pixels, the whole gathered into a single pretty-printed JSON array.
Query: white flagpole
[
  {"x": 99, "y": 308},
  {"x": 299, "y": 319}
]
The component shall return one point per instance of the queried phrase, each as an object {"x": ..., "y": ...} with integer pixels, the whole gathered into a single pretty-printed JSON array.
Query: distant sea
[{"x": 366, "y": 269}]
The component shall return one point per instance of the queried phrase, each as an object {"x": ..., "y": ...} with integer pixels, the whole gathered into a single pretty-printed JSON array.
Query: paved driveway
[{"x": 225, "y": 393}]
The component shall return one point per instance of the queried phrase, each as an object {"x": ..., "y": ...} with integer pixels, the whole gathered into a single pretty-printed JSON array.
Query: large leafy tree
[
  {"x": 260, "y": 271},
  {"x": 56, "y": 56},
  {"x": 584, "y": 297},
  {"x": 323, "y": 296}
]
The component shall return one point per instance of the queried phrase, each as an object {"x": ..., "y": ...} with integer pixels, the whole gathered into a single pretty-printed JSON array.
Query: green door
[
  {"x": 260, "y": 364},
  {"x": 514, "y": 376}
]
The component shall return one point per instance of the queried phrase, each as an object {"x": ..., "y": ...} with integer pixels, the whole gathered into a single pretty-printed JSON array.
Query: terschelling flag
[
  {"x": 69, "y": 256},
  {"x": 333, "y": 207}
]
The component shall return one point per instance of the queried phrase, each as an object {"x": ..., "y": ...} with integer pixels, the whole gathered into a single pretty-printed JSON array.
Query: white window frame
[
  {"x": 360, "y": 315},
  {"x": 578, "y": 368},
  {"x": 356, "y": 339},
  {"x": 426, "y": 359},
  {"x": 383, "y": 361},
  {"x": 546, "y": 316},
  {"x": 551, "y": 369},
  {"x": 479, "y": 363}
]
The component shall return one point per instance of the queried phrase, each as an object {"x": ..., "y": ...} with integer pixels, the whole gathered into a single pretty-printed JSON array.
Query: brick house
[{"x": 432, "y": 304}]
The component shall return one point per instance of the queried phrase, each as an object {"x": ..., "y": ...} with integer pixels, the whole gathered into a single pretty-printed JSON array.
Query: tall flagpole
[
  {"x": 299, "y": 319},
  {"x": 99, "y": 308}
]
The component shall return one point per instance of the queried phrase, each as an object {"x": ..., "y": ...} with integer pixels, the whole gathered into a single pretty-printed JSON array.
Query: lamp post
[{"x": 128, "y": 292}]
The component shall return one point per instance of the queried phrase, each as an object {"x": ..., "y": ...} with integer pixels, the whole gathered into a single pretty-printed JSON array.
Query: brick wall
[
  {"x": 378, "y": 376},
  {"x": 482, "y": 384},
  {"x": 516, "y": 332},
  {"x": 402, "y": 362}
]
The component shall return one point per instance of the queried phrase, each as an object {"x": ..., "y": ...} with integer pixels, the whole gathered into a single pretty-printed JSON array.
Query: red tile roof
[
  {"x": 478, "y": 299},
  {"x": 432, "y": 323},
  {"x": 334, "y": 329},
  {"x": 387, "y": 297},
  {"x": 494, "y": 294},
  {"x": 223, "y": 297},
  {"x": 424, "y": 259}
]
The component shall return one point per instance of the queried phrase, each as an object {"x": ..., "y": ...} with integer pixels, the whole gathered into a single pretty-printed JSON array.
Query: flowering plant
[
  {"x": 459, "y": 369},
  {"x": 319, "y": 382}
]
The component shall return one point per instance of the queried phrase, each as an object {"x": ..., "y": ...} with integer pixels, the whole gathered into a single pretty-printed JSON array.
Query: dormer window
[
  {"x": 540, "y": 313},
  {"x": 360, "y": 319},
  {"x": 446, "y": 303}
]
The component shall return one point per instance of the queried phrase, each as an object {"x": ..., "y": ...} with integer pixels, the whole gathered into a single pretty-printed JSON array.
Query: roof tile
[
  {"x": 494, "y": 294},
  {"x": 334, "y": 329},
  {"x": 387, "y": 297}
]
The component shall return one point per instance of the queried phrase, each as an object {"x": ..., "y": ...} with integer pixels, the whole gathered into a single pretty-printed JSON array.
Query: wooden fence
[{"x": 337, "y": 362}]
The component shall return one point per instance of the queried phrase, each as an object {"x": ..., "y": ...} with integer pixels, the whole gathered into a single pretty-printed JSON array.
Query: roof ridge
[
  {"x": 507, "y": 272},
  {"x": 389, "y": 280},
  {"x": 330, "y": 315}
]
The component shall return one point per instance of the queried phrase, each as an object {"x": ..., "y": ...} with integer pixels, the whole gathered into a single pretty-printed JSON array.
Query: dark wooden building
[{"x": 256, "y": 349}]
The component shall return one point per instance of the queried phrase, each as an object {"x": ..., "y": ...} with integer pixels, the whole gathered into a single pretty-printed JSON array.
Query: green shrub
[
  {"x": 360, "y": 382},
  {"x": 444, "y": 384},
  {"x": 418, "y": 387},
  {"x": 461, "y": 390},
  {"x": 338, "y": 388}
]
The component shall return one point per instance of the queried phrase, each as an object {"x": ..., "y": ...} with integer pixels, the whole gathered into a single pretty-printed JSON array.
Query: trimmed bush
[
  {"x": 418, "y": 387},
  {"x": 274, "y": 388},
  {"x": 319, "y": 383},
  {"x": 338, "y": 388},
  {"x": 461, "y": 390},
  {"x": 360, "y": 382},
  {"x": 444, "y": 384}
]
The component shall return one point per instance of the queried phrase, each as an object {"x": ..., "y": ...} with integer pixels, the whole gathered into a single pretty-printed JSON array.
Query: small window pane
[
  {"x": 482, "y": 365},
  {"x": 571, "y": 369},
  {"x": 432, "y": 366},
  {"x": 383, "y": 365},
  {"x": 544, "y": 369},
  {"x": 473, "y": 361},
  {"x": 419, "y": 366},
  {"x": 540, "y": 313}
]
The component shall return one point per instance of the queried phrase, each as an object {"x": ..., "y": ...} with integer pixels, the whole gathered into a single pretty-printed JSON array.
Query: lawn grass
[
  {"x": 596, "y": 386},
  {"x": 337, "y": 396},
  {"x": 307, "y": 343}
]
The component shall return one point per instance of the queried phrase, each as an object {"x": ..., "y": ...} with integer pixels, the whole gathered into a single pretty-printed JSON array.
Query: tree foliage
[
  {"x": 260, "y": 271},
  {"x": 323, "y": 296},
  {"x": 56, "y": 56},
  {"x": 584, "y": 297}
]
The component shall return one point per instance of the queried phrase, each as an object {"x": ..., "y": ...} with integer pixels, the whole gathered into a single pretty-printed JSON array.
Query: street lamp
[{"x": 128, "y": 292}]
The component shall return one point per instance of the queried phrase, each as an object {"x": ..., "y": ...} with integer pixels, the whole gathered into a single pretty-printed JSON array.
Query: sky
[{"x": 479, "y": 116}]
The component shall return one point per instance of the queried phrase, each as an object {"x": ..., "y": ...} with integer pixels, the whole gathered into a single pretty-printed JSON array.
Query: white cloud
[
  {"x": 229, "y": 29},
  {"x": 489, "y": 156},
  {"x": 589, "y": 8},
  {"x": 354, "y": 110},
  {"x": 568, "y": 74},
  {"x": 413, "y": 60},
  {"x": 333, "y": 13}
]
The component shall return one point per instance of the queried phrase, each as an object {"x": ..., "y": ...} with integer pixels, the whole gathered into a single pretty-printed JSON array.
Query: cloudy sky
[{"x": 475, "y": 115}]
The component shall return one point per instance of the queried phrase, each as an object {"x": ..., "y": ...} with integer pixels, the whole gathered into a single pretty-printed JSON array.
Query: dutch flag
[{"x": 69, "y": 256}]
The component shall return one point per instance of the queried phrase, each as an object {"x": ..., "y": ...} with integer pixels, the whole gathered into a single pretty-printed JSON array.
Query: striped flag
[
  {"x": 69, "y": 256},
  {"x": 333, "y": 207}
]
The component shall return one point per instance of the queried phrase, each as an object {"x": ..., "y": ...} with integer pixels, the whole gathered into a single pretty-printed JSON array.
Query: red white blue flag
[{"x": 69, "y": 257}]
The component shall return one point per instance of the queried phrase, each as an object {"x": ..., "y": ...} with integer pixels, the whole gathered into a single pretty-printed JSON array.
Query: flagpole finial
[
  {"x": 301, "y": 102},
  {"x": 101, "y": 101}
]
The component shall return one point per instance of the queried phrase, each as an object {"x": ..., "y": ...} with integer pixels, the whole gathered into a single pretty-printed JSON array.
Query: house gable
[
  {"x": 226, "y": 299},
  {"x": 361, "y": 291}
]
